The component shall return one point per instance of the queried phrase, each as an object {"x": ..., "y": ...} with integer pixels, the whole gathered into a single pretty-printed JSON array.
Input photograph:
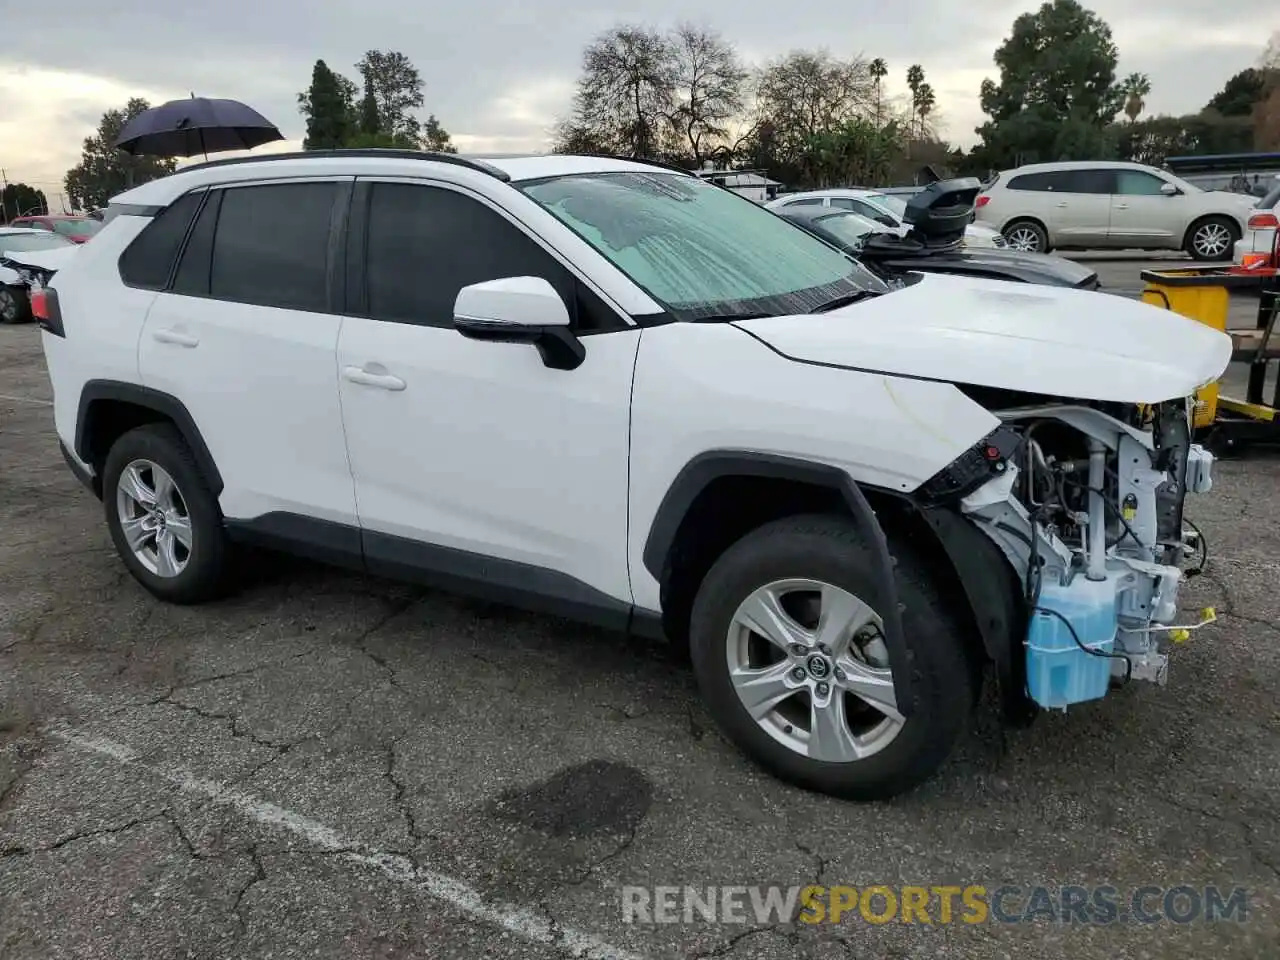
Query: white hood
[
  {"x": 1032, "y": 338},
  {"x": 54, "y": 258}
]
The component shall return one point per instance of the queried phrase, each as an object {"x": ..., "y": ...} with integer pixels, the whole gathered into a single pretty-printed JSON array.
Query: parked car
[
  {"x": 26, "y": 256},
  {"x": 882, "y": 208},
  {"x": 611, "y": 391},
  {"x": 893, "y": 255},
  {"x": 1097, "y": 205},
  {"x": 75, "y": 229},
  {"x": 1259, "y": 248}
]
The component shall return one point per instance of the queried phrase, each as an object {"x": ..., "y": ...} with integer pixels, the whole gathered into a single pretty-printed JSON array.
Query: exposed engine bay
[{"x": 1085, "y": 500}]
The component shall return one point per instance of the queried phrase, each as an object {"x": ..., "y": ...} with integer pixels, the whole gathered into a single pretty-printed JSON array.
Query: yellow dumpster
[{"x": 1202, "y": 295}]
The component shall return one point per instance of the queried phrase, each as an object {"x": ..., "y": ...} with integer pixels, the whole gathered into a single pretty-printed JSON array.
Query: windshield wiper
[
  {"x": 844, "y": 301},
  {"x": 730, "y": 317}
]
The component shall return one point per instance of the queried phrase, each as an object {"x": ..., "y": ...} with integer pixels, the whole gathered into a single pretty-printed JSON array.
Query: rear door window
[
  {"x": 271, "y": 245},
  {"x": 1064, "y": 181}
]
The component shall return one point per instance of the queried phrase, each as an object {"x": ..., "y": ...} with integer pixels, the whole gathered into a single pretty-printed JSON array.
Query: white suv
[
  {"x": 1099, "y": 205},
  {"x": 617, "y": 393}
]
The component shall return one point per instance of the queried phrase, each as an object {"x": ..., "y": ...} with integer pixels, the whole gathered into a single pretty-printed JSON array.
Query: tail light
[
  {"x": 1264, "y": 221},
  {"x": 982, "y": 201},
  {"x": 46, "y": 311}
]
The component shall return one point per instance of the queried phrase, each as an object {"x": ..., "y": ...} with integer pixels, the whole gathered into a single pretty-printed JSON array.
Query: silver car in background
[{"x": 1111, "y": 204}]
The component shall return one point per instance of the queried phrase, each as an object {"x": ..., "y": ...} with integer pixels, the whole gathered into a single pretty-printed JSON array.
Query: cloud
[{"x": 498, "y": 72}]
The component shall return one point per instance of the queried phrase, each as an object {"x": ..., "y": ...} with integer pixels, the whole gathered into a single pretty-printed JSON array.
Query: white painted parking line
[
  {"x": 518, "y": 921},
  {"x": 35, "y": 400}
]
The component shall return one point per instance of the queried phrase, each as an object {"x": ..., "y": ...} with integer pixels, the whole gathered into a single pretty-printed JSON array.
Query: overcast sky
[{"x": 498, "y": 72}]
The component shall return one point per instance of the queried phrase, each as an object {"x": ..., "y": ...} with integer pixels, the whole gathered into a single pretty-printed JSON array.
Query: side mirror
[
  {"x": 1169, "y": 190},
  {"x": 519, "y": 310}
]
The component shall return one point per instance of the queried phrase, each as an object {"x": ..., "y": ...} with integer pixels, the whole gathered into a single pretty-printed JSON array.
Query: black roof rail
[
  {"x": 357, "y": 152},
  {"x": 648, "y": 163}
]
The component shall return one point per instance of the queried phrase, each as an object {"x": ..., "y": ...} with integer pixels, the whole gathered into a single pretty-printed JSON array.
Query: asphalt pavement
[{"x": 328, "y": 765}]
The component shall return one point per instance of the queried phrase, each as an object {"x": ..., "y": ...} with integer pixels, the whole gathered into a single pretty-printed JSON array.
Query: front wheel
[{"x": 790, "y": 656}]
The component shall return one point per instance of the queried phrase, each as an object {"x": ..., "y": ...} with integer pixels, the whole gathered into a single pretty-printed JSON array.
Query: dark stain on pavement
[{"x": 586, "y": 799}]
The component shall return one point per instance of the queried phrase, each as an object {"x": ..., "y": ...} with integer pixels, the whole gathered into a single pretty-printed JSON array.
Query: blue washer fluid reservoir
[{"x": 1059, "y": 673}]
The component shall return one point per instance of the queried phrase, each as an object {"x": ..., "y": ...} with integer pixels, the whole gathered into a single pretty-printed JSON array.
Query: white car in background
[
  {"x": 1258, "y": 249},
  {"x": 886, "y": 210},
  {"x": 1111, "y": 204},
  {"x": 42, "y": 249}
]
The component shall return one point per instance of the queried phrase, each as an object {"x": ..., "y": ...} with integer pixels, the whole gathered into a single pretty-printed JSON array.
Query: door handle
[
  {"x": 178, "y": 339},
  {"x": 384, "y": 381},
  {"x": 1122, "y": 206},
  {"x": 1063, "y": 203}
]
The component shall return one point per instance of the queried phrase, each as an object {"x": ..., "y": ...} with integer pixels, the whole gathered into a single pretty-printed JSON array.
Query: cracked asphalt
[{"x": 331, "y": 765}]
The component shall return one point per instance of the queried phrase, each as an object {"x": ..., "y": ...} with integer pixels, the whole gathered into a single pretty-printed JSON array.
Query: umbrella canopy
[{"x": 184, "y": 128}]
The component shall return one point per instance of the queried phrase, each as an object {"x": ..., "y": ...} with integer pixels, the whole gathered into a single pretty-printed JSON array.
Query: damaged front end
[{"x": 1085, "y": 502}]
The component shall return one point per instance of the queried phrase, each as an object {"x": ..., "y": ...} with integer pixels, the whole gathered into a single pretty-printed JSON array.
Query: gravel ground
[{"x": 329, "y": 765}]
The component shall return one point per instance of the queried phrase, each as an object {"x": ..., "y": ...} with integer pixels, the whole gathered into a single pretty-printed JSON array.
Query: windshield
[
  {"x": 849, "y": 228},
  {"x": 76, "y": 228},
  {"x": 29, "y": 240},
  {"x": 895, "y": 205},
  {"x": 699, "y": 250}
]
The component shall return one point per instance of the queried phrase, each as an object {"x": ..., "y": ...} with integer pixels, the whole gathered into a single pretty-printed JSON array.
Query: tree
[
  {"x": 807, "y": 93},
  {"x": 923, "y": 101},
  {"x": 17, "y": 199},
  {"x": 104, "y": 171},
  {"x": 879, "y": 69},
  {"x": 709, "y": 81},
  {"x": 329, "y": 106},
  {"x": 436, "y": 138},
  {"x": 857, "y": 151},
  {"x": 1057, "y": 93},
  {"x": 1266, "y": 114},
  {"x": 392, "y": 90},
  {"x": 1240, "y": 94},
  {"x": 626, "y": 92},
  {"x": 915, "y": 77},
  {"x": 1135, "y": 86}
]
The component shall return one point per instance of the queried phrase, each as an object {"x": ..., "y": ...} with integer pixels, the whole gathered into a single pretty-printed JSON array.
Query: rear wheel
[
  {"x": 789, "y": 652},
  {"x": 163, "y": 519},
  {"x": 1026, "y": 236},
  {"x": 1212, "y": 239}
]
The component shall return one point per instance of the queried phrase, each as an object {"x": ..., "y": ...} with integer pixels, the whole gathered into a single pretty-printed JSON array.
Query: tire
[
  {"x": 1021, "y": 232},
  {"x": 1212, "y": 239},
  {"x": 830, "y": 549},
  {"x": 202, "y": 574},
  {"x": 15, "y": 304}
]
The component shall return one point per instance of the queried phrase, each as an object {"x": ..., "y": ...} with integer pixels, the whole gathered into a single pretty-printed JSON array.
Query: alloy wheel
[
  {"x": 1211, "y": 240},
  {"x": 154, "y": 518},
  {"x": 1023, "y": 239},
  {"x": 807, "y": 660}
]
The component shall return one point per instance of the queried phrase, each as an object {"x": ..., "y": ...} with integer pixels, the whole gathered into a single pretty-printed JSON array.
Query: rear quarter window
[{"x": 148, "y": 261}]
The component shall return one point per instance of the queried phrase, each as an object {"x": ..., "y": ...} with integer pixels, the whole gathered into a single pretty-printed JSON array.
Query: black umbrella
[{"x": 183, "y": 128}]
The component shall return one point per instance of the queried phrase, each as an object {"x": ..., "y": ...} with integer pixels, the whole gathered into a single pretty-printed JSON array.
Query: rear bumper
[{"x": 82, "y": 472}]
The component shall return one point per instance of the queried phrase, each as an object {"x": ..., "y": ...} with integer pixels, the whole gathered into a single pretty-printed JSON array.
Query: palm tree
[
  {"x": 924, "y": 102},
  {"x": 915, "y": 77},
  {"x": 1135, "y": 87},
  {"x": 879, "y": 70}
]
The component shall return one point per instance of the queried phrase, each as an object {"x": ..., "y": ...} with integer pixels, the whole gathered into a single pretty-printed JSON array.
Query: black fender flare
[
  {"x": 699, "y": 472},
  {"x": 168, "y": 406}
]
